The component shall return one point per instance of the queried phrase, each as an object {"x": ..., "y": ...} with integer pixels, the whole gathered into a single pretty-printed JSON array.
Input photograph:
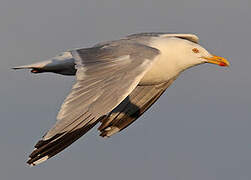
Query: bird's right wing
[{"x": 189, "y": 37}]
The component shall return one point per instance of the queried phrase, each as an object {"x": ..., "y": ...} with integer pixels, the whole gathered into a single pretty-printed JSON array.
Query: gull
[{"x": 116, "y": 82}]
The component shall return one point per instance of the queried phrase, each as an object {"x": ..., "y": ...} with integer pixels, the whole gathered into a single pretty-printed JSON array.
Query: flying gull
[{"x": 116, "y": 82}]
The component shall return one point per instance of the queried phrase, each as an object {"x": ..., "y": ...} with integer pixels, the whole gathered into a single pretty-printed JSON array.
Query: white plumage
[{"x": 116, "y": 82}]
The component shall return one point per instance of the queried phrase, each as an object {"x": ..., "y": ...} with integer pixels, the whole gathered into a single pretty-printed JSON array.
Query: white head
[
  {"x": 187, "y": 54},
  {"x": 176, "y": 55}
]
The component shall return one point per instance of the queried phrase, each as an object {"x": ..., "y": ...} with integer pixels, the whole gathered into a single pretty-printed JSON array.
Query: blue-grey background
[{"x": 200, "y": 129}]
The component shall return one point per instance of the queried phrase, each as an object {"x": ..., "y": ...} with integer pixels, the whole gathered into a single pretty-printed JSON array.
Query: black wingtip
[{"x": 45, "y": 149}]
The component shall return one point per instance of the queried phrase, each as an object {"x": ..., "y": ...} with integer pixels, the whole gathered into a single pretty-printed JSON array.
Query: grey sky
[{"x": 199, "y": 129}]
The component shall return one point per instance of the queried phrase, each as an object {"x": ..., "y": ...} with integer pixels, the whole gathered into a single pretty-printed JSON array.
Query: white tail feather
[{"x": 62, "y": 64}]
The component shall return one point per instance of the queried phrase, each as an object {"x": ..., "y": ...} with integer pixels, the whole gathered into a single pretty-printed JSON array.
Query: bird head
[{"x": 194, "y": 54}]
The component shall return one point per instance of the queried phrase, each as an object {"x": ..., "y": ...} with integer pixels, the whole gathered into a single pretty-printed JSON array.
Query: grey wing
[
  {"x": 139, "y": 36},
  {"x": 106, "y": 75},
  {"x": 145, "y": 38},
  {"x": 128, "y": 111}
]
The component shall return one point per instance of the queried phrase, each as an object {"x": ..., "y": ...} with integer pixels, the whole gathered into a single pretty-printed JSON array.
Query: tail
[
  {"x": 35, "y": 68},
  {"x": 62, "y": 64}
]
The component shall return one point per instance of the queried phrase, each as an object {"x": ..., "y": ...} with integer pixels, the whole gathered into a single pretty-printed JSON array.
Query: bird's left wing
[
  {"x": 131, "y": 108},
  {"x": 106, "y": 75}
]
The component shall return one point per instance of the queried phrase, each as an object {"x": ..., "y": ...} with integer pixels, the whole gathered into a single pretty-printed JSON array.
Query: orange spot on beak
[{"x": 222, "y": 64}]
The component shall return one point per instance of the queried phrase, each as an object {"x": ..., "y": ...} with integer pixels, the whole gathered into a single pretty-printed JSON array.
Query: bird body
[{"x": 116, "y": 82}]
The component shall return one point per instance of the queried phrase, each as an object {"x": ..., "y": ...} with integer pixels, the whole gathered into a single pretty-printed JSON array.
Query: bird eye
[{"x": 195, "y": 50}]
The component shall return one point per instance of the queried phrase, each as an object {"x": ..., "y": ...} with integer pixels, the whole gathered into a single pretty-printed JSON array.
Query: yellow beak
[{"x": 221, "y": 61}]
